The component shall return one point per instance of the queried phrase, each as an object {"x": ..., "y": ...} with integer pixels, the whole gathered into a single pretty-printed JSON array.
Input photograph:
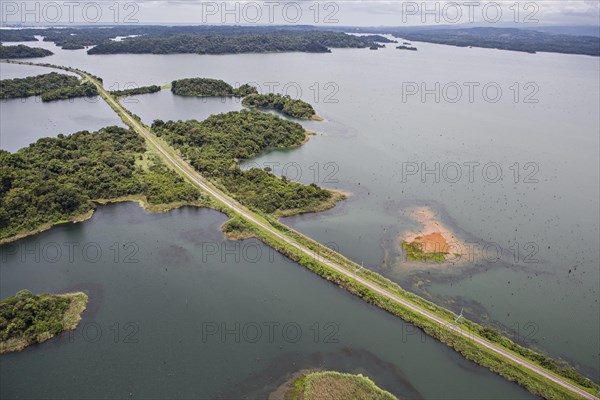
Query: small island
[
  {"x": 50, "y": 87},
  {"x": 135, "y": 91},
  {"x": 403, "y": 47},
  {"x": 27, "y": 319},
  {"x": 284, "y": 104},
  {"x": 205, "y": 87},
  {"x": 331, "y": 385},
  {"x": 22, "y": 51},
  {"x": 434, "y": 242}
]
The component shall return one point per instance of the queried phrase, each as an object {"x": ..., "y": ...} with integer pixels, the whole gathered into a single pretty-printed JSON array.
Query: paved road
[{"x": 184, "y": 168}]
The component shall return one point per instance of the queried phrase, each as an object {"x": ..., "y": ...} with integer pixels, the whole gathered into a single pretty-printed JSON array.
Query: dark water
[{"x": 160, "y": 288}]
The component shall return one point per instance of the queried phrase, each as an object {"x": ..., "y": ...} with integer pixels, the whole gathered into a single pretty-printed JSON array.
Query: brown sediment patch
[
  {"x": 433, "y": 243},
  {"x": 433, "y": 237}
]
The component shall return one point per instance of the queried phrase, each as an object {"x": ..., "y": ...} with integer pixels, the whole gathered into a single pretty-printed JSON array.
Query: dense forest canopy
[
  {"x": 16, "y": 35},
  {"x": 52, "y": 86},
  {"x": 285, "y": 104},
  {"x": 28, "y": 316},
  {"x": 135, "y": 91},
  {"x": 56, "y": 179},
  {"x": 252, "y": 42},
  {"x": 216, "y": 145},
  {"x": 22, "y": 51},
  {"x": 209, "y": 87}
]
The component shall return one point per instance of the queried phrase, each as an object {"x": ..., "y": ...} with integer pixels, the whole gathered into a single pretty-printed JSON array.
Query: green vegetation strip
[{"x": 26, "y": 319}]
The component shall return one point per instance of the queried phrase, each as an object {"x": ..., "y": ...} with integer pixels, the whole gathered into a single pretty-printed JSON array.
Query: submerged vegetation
[
  {"x": 22, "y": 51},
  {"x": 216, "y": 145},
  {"x": 52, "y": 86},
  {"x": 57, "y": 179},
  {"x": 284, "y": 104},
  {"x": 26, "y": 319},
  {"x": 205, "y": 87},
  {"x": 331, "y": 385}
]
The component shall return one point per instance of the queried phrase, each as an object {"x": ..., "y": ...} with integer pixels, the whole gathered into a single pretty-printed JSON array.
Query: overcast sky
[{"x": 349, "y": 13}]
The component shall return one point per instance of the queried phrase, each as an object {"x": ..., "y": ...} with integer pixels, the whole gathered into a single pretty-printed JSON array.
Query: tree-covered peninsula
[
  {"x": 293, "y": 107},
  {"x": 205, "y": 87},
  {"x": 22, "y": 51},
  {"x": 52, "y": 86},
  {"x": 216, "y": 145},
  {"x": 27, "y": 319},
  {"x": 61, "y": 179}
]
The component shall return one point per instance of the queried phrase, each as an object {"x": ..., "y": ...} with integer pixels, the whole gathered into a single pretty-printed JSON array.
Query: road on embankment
[{"x": 176, "y": 162}]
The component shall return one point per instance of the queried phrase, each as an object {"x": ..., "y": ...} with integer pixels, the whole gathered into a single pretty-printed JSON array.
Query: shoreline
[{"x": 140, "y": 199}]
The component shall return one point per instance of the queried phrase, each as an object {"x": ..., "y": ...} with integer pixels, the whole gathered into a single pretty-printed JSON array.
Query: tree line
[
  {"x": 52, "y": 86},
  {"x": 56, "y": 179},
  {"x": 22, "y": 51},
  {"x": 206, "y": 87},
  {"x": 293, "y": 107}
]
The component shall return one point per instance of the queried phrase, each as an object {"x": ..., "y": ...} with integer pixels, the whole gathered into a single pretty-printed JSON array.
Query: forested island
[
  {"x": 293, "y": 107},
  {"x": 210, "y": 39},
  {"x": 233, "y": 42},
  {"x": 403, "y": 47},
  {"x": 216, "y": 145},
  {"x": 331, "y": 385},
  {"x": 205, "y": 87},
  {"x": 135, "y": 91},
  {"x": 22, "y": 51},
  {"x": 27, "y": 319},
  {"x": 60, "y": 179},
  {"x": 52, "y": 86}
]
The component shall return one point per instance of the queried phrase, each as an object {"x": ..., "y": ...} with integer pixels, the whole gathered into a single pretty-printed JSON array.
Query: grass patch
[
  {"x": 331, "y": 385},
  {"x": 414, "y": 252}
]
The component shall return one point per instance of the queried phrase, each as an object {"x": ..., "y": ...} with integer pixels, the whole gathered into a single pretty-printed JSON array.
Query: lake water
[
  {"x": 166, "y": 292},
  {"x": 546, "y": 204}
]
